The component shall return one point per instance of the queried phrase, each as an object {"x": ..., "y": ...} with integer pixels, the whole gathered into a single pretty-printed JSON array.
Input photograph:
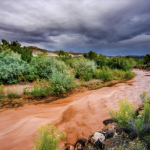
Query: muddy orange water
[{"x": 78, "y": 115}]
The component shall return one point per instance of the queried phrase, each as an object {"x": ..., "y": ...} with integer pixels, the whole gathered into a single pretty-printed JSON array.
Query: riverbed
[{"x": 79, "y": 115}]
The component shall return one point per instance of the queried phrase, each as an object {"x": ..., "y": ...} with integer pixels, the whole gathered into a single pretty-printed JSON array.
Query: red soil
[{"x": 78, "y": 115}]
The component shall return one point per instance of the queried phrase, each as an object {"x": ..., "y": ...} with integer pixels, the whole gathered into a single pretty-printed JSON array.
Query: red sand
[{"x": 79, "y": 115}]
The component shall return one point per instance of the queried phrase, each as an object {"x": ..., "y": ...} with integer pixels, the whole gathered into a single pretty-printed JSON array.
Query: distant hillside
[{"x": 37, "y": 50}]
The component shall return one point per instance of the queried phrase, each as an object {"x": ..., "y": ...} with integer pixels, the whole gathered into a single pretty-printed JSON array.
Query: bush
[
  {"x": 48, "y": 138},
  {"x": 124, "y": 114},
  {"x": 41, "y": 89},
  {"x": 82, "y": 66},
  {"x": 12, "y": 95},
  {"x": 121, "y": 63},
  {"x": 61, "y": 82},
  {"x": 12, "y": 66},
  {"x": 44, "y": 66},
  {"x": 107, "y": 74},
  {"x": 25, "y": 52}
]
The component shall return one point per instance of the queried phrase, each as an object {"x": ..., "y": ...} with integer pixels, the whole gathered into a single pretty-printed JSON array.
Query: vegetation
[
  {"x": 12, "y": 66},
  {"x": 48, "y": 138},
  {"x": 137, "y": 122},
  {"x": 15, "y": 46}
]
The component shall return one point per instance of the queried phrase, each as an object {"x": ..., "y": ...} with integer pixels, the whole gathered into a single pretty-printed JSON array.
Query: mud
[{"x": 78, "y": 115}]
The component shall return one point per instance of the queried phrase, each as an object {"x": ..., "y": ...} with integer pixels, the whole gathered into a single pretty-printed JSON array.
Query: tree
[
  {"x": 92, "y": 55},
  {"x": 147, "y": 59},
  {"x": 62, "y": 53}
]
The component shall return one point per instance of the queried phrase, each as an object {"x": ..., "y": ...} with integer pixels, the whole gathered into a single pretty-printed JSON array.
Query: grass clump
[
  {"x": 107, "y": 74},
  {"x": 48, "y": 138},
  {"x": 2, "y": 91},
  {"x": 41, "y": 89},
  {"x": 12, "y": 95}
]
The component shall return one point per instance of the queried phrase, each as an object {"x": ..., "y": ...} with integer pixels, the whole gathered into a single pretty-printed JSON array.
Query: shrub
[
  {"x": 124, "y": 114},
  {"x": 44, "y": 66},
  {"x": 12, "y": 66},
  {"x": 61, "y": 82},
  {"x": 12, "y": 95},
  {"x": 48, "y": 138},
  {"x": 41, "y": 89},
  {"x": 82, "y": 66},
  {"x": 107, "y": 74},
  {"x": 121, "y": 63}
]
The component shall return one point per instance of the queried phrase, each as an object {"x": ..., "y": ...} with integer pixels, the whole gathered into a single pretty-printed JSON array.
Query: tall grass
[{"x": 107, "y": 74}]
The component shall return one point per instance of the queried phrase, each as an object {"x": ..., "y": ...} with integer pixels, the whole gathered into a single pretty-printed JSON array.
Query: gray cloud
[{"x": 108, "y": 27}]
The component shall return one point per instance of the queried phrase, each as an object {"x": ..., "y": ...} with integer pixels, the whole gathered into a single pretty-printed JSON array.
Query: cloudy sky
[{"x": 110, "y": 27}]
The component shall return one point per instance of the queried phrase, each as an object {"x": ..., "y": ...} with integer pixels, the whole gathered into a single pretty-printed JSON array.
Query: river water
[{"x": 78, "y": 115}]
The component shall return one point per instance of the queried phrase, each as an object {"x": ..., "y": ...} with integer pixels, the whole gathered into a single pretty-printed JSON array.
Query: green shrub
[
  {"x": 41, "y": 89},
  {"x": 48, "y": 138},
  {"x": 12, "y": 66},
  {"x": 61, "y": 82},
  {"x": 107, "y": 74},
  {"x": 82, "y": 66},
  {"x": 124, "y": 114},
  {"x": 121, "y": 63},
  {"x": 12, "y": 95},
  {"x": 44, "y": 66}
]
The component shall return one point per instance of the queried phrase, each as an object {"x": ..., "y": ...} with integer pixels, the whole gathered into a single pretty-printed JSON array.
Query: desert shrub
[
  {"x": 82, "y": 65},
  {"x": 48, "y": 138},
  {"x": 107, "y": 74},
  {"x": 12, "y": 66},
  {"x": 124, "y": 114},
  {"x": 61, "y": 82},
  {"x": 12, "y": 95},
  {"x": 121, "y": 63},
  {"x": 41, "y": 89},
  {"x": 25, "y": 52},
  {"x": 44, "y": 66}
]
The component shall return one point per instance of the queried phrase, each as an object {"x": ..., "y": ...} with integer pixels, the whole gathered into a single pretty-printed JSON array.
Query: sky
[{"x": 109, "y": 27}]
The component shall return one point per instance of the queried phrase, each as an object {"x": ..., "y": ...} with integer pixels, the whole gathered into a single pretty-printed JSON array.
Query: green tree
[
  {"x": 92, "y": 55},
  {"x": 147, "y": 59}
]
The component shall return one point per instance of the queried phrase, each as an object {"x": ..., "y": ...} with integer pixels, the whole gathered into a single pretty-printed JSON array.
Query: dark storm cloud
[{"x": 98, "y": 25}]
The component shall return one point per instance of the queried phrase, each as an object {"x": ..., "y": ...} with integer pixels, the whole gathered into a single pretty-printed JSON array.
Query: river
[{"x": 78, "y": 115}]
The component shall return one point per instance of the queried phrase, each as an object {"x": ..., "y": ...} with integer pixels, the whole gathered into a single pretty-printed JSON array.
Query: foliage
[
  {"x": 25, "y": 52},
  {"x": 124, "y": 114},
  {"x": 107, "y": 74},
  {"x": 63, "y": 53},
  {"x": 2, "y": 91},
  {"x": 101, "y": 60},
  {"x": 121, "y": 63},
  {"x": 12, "y": 66},
  {"x": 41, "y": 89},
  {"x": 146, "y": 59},
  {"x": 44, "y": 66},
  {"x": 12, "y": 95},
  {"x": 82, "y": 66},
  {"x": 91, "y": 55},
  {"x": 48, "y": 138},
  {"x": 61, "y": 82}
]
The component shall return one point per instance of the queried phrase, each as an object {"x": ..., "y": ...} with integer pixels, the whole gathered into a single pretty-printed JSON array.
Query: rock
[
  {"x": 108, "y": 121},
  {"x": 80, "y": 144},
  {"x": 70, "y": 147}
]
